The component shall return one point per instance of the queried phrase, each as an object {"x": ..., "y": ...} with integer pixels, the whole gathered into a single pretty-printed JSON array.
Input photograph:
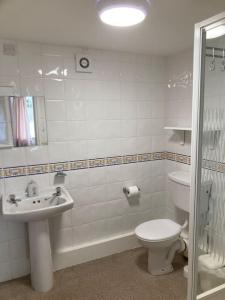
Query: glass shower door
[{"x": 207, "y": 265}]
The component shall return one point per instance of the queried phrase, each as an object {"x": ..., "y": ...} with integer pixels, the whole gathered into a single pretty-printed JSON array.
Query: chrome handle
[
  {"x": 12, "y": 199},
  {"x": 58, "y": 191}
]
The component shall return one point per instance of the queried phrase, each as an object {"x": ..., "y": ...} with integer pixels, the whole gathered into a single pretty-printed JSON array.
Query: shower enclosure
[{"x": 207, "y": 249}]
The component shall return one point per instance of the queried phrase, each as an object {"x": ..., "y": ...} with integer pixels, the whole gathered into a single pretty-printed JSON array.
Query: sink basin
[
  {"x": 37, "y": 208},
  {"x": 36, "y": 211}
]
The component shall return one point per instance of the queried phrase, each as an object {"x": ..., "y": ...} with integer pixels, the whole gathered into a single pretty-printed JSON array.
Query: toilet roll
[{"x": 131, "y": 191}]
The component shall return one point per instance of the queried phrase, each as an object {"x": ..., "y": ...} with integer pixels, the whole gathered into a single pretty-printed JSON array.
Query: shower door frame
[{"x": 196, "y": 159}]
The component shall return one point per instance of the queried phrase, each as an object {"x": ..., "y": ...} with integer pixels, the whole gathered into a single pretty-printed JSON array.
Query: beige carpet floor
[{"x": 118, "y": 277}]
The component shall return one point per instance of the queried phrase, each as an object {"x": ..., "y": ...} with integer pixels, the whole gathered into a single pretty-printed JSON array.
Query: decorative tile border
[
  {"x": 105, "y": 162},
  {"x": 206, "y": 164},
  {"x": 14, "y": 172},
  {"x": 181, "y": 158},
  {"x": 79, "y": 164}
]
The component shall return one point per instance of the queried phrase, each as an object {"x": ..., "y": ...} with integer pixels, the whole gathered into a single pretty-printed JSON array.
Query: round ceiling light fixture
[{"x": 122, "y": 13}]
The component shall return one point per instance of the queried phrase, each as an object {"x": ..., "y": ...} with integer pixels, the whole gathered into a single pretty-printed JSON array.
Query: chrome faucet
[
  {"x": 57, "y": 194},
  {"x": 32, "y": 189}
]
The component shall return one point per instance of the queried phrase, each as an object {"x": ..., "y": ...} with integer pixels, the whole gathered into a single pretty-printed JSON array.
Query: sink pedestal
[{"x": 40, "y": 256}]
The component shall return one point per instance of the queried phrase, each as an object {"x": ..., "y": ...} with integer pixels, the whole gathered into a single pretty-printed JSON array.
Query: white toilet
[{"x": 162, "y": 237}]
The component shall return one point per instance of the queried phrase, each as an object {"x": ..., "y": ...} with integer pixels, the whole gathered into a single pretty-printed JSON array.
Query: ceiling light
[
  {"x": 215, "y": 32},
  {"x": 122, "y": 13}
]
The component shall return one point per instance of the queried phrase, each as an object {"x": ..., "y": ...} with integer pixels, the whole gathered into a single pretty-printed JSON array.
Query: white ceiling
[{"x": 168, "y": 28}]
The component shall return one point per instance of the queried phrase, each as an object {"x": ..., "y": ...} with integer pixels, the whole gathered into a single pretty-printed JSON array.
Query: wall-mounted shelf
[
  {"x": 183, "y": 130},
  {"x": 178, "y": 128}
]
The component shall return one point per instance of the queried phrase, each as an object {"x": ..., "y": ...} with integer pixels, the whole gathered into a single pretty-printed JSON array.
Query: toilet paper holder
[{"x": 125, "y": 190}]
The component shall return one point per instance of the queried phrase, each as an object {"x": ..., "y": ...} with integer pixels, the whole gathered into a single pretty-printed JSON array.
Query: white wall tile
[
  {"x": 13, "y": 157},
  {"x": 16, "y": 230},
  {"x": 96, "y": 176},
  {"x": 128, "y": 128},
  {"x": 112, "y": 110},
  {"x": 74, "y": 89},
  {"x": 178, "y": 99},
  {"x": 63, "y": 238},
  {"x": 57, "y": 151},
  {"x": 144, "y": 127},
  {"x": 37, "y": 155},
  {"x": 144, "y": 109},
  {"x": 128, "y": 110},
  {"x": 77, "y": 150},
  {"x": 20, "y": 267},
  {"x": 54, "y": 89},
  {"x": 129, "y": 145},
  {"x": 76, "y": 110},
  {"x": 144, "y": 144},
  {"x": 53, "y": 66},
  {"x": 97, "y": 148},
  {"x": 95, "y": 110},
  {"x": 5, "y": 271},
  {"x": 18, "y": 249},
  {"x": 76, "y": 130},
  {"x": 4, "y": 233},
  {"x": 78, "y": 179},
  {"x": 30, "y": 63},
  {"x": 112, "y": 147},
  {"x": 63, "y": 220},
  {"x": 118, "y": 109},
  {"x": 57, "y": 131},
  {"x": 31, "y": 86},
  {"x": 8, "y": 65},
  {"x": 114, "y": 174},
  {"x": 55, "y": 110},
  {"x": 88, "y": 214},
  {"x": 90, "y": 195},
  {"x": 4, "y": 252}
]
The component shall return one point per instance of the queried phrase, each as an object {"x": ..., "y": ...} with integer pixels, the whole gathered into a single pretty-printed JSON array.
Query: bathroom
[{"x": 112, "y": 149}]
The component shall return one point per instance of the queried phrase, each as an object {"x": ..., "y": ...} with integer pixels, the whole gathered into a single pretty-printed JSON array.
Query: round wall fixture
[
  {"x": 122, "y": 13},
  {"x": 84, "y": 62}
]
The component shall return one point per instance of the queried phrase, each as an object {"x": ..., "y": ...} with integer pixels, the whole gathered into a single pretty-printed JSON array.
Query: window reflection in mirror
[{"x": 22, "y": 121}]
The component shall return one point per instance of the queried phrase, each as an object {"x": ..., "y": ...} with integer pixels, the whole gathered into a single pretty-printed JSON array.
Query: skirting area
[
  {"x": 121, "y": 276},
  {"x": 73, "y": 256}
]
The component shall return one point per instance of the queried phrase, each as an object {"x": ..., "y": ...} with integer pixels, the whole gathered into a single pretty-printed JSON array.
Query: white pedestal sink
[{"x": 36, "y": 211}]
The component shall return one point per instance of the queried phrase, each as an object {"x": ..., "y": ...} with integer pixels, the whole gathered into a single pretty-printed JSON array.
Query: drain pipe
[
  {"x": 184, "y": 236},
  {"x": 185, "y": 225},
  {"x": 178, "y": 246}
]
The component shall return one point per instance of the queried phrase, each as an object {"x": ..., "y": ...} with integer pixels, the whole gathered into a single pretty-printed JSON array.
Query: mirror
[{"x": 22, "y": 121}]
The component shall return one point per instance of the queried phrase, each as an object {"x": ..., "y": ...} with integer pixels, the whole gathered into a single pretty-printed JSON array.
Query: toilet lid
[{"x": 158, "y": 230}]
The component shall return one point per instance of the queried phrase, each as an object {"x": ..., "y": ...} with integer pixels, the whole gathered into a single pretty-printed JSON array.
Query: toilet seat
[{"x": 158, "y": 230}]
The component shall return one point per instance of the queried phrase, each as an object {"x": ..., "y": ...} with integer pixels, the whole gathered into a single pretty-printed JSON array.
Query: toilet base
[
  {"x": 158, "y": 263},
  {"x": 160, "y": 258}
]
